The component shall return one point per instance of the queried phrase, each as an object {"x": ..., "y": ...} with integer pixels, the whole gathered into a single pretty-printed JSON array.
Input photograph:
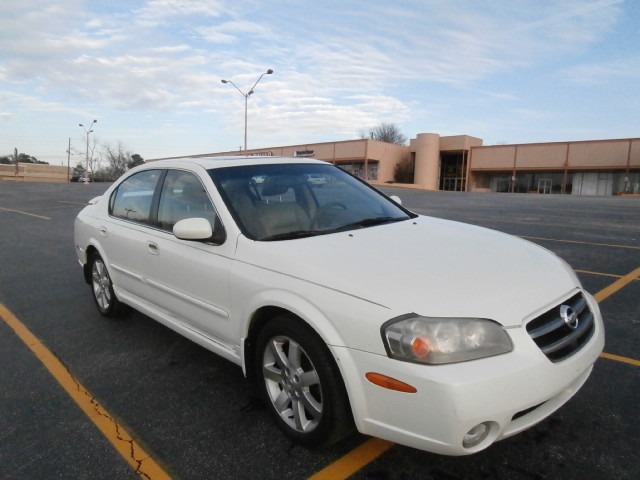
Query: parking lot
[{"x": 87, "y": 397}]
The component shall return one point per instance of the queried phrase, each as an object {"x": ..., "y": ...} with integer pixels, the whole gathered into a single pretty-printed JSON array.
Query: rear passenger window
[{"x": 133, "y": 198}]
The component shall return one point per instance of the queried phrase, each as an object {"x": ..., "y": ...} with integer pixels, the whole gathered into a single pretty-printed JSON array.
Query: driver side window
[{"x": 184, "y": 196}]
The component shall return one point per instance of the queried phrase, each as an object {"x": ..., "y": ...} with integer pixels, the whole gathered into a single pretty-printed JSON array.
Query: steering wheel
[{"x": 327, "y": 211}]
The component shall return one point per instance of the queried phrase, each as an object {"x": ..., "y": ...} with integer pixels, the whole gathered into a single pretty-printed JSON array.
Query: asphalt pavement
[{"x": 197, "y": 416}]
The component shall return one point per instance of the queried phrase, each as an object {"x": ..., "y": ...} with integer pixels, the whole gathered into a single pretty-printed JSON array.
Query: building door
[
  {"x": 593, "y": 183},
  {"x": 501, "y": 184},
  {"x": 544, "y": 185},
  {"x": 605, "y": 183},
  {"x": 453, "y": 171}
]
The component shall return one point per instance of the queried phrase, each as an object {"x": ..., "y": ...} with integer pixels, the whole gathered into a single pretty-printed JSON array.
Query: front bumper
[{"x": 509, "y": 393}]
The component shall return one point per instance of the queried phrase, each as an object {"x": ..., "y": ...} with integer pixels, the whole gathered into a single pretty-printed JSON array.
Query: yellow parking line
[
  {"x": 547, "y": 224},
  {"x": 618, "y": 358},
  {"x": 617, "y": 285},
  {"x": 131, "y": 451},
  {"x": 354, "y": 460},
  {"x": 606, "y": 293},
  {"x": 601, "y": 274},
  {"x": 631, "y": 247},
  {"x": 24, "y": 213},
  {"x": 589, "y": 272}
]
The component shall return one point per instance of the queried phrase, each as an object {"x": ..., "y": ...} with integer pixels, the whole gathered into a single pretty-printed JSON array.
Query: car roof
[{"x": 232, "y": 161}]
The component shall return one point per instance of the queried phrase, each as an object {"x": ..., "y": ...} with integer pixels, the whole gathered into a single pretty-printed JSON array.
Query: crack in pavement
[{"x": 143, "y": 464}]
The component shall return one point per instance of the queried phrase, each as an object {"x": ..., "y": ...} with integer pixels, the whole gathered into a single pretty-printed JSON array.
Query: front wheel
[
  {"x": 299, "y": 380},
  {"x": 102, "y": 288}
]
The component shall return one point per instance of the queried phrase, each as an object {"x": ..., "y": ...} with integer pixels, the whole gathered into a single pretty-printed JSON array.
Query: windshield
[{"x": 287, "y": 201}]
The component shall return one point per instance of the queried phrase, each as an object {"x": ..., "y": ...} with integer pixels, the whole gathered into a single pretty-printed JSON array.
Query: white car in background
[
  {"x": 346, "y": 308},
  {"x": 317, "y": 180}
]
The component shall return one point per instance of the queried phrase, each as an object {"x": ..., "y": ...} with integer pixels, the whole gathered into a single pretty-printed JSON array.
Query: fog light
[{"x": 476, "y": 435}]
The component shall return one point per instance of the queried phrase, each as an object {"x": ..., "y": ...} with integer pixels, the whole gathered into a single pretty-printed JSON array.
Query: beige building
[
  {"x": 34, "y": 172},
  {"x": 595, "y": 167},
  {"x": 454, "y": 163},
  {"x": 462, "y": 163},
  {"x": 437, "y": 163}
]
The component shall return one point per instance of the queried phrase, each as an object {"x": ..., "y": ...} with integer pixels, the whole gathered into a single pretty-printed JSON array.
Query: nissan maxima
[{"x": 346, "y": 309}]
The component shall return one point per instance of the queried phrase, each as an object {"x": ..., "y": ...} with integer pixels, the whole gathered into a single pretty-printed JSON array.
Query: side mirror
[
  {"x": 396, "y": 199},
  {"x": 193, "y": 229}
]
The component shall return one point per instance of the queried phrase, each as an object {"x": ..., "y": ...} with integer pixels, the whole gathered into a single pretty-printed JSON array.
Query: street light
[
  {"x": 246, "y": 97},
  {"x": 88, "y": 130}
]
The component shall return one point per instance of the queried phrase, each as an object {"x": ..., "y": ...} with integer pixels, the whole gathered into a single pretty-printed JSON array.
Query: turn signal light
[
  {"x": 421, "y": 347},
  {"x": 389, "y": 383}
]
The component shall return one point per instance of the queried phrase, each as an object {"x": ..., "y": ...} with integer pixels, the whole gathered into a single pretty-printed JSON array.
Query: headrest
[
  {"x": 277, "y": 185},
  {"x": 192, "y": 189}
]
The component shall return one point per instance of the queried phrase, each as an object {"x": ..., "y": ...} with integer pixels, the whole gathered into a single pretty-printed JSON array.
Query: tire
[
  {"x": 102, "y": 288},
  {"x": 300, "y": 383}
]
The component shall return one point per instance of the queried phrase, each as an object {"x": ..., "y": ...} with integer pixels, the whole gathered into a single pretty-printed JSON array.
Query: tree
[
  {"x": 92, "y": 161},
  {"x": 403, "y": 171},
  {"x": 22, "y": 158},
  {"x": 118, "y": 160},
  {"x": 135, "y": 161},
  {"x": 387, "y": 132}
]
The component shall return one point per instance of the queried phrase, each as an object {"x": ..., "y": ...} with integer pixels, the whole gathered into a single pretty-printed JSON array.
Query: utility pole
[
  {"x": 68, "y": 161},
  {"x": 88, "y": 130},
  {"x": 15, "y": 157}
]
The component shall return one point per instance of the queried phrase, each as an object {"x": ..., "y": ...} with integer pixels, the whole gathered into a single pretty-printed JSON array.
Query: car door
[
  {"x": 123, "y": 233},
  {"x": 189, "y": 280}
]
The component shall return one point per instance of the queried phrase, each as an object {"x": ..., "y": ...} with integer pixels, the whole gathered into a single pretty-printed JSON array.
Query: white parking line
[{"x": 24, "y": 213}]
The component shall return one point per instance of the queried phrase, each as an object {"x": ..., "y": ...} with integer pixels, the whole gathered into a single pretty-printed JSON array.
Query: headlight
[{"x": 437, "y": 341}]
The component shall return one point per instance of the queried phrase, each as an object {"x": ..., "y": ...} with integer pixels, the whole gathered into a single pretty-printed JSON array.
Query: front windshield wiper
[
  {"x": 367, "y": 222},
  {"x": 370, "y": 222},
  {"x": 291, "y": 235}
]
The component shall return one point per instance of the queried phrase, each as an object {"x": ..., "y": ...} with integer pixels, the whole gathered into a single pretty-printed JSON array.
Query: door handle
[{"x": 152, "y": 248}]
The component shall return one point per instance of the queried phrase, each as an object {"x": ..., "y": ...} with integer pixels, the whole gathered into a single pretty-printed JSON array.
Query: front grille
[{"x": 557, "y": 340}]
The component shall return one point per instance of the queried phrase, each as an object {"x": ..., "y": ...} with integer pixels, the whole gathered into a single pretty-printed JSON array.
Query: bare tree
[
  {"x": 387, "y": 132},
  {"x": 92, "y": 156},
  {"x": 118, "y": 159}
]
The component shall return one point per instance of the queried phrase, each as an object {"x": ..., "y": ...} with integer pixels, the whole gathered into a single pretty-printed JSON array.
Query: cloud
[
  {"x": 466, "y": 41},
  {"x": 234, "y": 31},
  {"x": 134, "y": 59},
  {"x": 574, "y": 21},
  {"x": 604, "y": 73},
  {"x": 339, "y": 66},
  {"x": 157, "y": 12}
]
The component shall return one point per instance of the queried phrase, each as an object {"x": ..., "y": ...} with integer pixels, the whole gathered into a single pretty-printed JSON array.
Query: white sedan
[{"x": 347, "y": 309}]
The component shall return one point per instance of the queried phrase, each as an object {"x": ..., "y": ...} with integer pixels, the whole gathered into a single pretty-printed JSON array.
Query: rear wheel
[
  {"x": 300, "y": 382},
  {"x": 102, "y": 288}
]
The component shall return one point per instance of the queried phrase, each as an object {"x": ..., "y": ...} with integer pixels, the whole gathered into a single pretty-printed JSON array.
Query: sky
[{"x": 149, "y": 72}]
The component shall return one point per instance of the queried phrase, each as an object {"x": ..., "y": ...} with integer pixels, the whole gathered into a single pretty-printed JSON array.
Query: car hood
[{"x": 427, "y": 266}]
